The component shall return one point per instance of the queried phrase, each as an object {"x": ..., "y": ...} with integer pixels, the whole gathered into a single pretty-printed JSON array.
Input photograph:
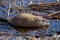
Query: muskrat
[
  {"x": 25, "y": 22},
  {"x": 29, "y": 20}
]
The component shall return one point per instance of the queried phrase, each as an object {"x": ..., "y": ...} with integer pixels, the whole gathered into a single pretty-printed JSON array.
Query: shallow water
[{"x": 7, "y": 29}]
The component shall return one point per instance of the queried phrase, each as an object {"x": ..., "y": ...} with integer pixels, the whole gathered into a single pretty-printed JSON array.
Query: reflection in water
[
  {"x": 10, "y": 33},
  {"x": 5, "y": 29},
  {"x": 53, "y": 29}
]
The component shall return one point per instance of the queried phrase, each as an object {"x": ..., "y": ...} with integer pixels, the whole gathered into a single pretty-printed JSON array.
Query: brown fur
[{"x": 28, "y": 20}]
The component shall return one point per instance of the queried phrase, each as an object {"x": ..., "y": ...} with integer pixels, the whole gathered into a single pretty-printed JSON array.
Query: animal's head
[{"x": 45, "y": 23}]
